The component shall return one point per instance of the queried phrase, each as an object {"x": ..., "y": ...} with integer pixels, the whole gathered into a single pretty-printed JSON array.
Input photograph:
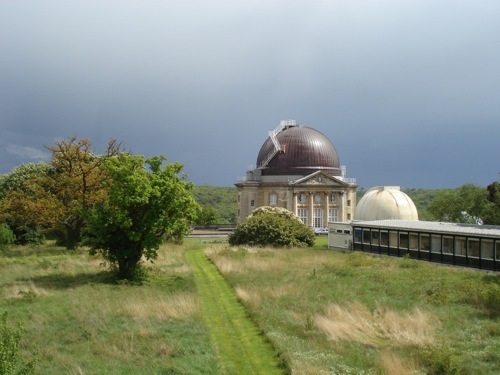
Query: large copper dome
[{"x": 302, "y": 151}]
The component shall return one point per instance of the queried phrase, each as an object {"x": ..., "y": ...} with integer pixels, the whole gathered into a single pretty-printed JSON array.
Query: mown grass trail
[{"x": 239, "y": 345}]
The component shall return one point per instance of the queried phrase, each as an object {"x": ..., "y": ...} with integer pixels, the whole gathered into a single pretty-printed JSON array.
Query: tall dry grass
[
  {"x": 355, "y": 322},
  {"x": 393, "y": 364}
]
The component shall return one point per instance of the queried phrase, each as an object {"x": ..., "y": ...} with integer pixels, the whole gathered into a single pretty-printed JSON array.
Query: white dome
[{"x": 386, "y": 203}]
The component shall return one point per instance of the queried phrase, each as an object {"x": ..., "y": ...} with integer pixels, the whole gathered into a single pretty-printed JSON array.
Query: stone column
[
  {"x": 326, "y": 207},
  {"x": 311, "y": 209},
  {"x": 294, "y": 202},
  {"x": 342, "y": 206}
]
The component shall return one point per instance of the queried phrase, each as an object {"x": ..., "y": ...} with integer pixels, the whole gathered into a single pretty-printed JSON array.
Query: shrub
[
  {"x": 9, "y": 350},
  {"x": 6, "y": 236},
  {"x": 272, "y": 226}
]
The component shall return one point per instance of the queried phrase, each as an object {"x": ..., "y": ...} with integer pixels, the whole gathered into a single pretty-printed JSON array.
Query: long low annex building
[{"x": 469, "y": 245}]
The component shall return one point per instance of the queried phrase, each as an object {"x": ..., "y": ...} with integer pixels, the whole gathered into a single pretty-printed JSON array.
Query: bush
[
  {"x": 272, "y": 226},
  {"x": 9, "y": 350},
  {"x": 6, "y": 236}
]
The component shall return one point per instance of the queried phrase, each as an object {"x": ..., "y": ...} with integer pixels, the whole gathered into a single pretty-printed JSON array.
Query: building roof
[
  {"x": 302, "y": 151},
  {"x": 433, "y": 226},
  {"x": 384, "y": 203}
]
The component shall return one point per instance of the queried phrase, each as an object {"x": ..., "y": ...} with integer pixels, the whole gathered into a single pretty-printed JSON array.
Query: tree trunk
[{"x": 127, "y": 265}]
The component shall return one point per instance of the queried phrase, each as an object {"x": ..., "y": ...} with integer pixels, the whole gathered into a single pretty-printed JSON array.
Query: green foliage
[
  {"x": 7, "y": 237},
  {"x": 207, "y": 215},
  {"x": 221, "y": 198},
  {"x": 147, "y": 201},
  {"x": 493, "y": 215},
  {"x": 272, "y": 226},
  {"x": 483, "y": 294},
  {"x": 439, "y": 361},
  {"x": 467, "y": 204},
  {"x": 16, "y": 179},
  {"x": 10, "y": 361}
]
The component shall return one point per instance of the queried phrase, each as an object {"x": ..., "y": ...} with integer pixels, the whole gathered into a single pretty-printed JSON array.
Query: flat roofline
[{"x": 433, "y": 226}]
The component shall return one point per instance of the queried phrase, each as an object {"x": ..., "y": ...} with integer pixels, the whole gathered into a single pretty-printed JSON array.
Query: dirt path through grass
[{"x": 240, "y": 347}]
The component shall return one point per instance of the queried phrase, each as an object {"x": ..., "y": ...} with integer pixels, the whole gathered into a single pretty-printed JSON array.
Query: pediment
[{"x": 320, "y": 179}]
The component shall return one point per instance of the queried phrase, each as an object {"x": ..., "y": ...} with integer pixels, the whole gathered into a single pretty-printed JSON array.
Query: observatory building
[{"x": 298, "y": 169}]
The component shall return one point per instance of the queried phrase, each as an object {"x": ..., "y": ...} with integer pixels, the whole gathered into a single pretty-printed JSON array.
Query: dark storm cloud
[{"x": 407, "y": 91}]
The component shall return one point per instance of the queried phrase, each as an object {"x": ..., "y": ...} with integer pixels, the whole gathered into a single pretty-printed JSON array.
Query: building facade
[{"x": 298, "y": 169}]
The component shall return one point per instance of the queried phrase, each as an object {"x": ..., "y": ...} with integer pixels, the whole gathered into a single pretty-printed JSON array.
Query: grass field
[
  {"x": 325, "y": 312},
  {"x": 81, "y": 322},
  {"x": 353, "y": 313}
]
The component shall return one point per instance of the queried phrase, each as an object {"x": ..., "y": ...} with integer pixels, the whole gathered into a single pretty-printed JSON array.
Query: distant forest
[{"x": 223, "y": 200}]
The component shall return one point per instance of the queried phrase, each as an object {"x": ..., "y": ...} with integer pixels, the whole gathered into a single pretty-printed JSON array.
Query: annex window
[
  {"x": 473, "y": 250},
  {"x": 384, "y": 238},
  {"x": 366, "y": 236},
  {"x": 333, "y": 215},
  {"x": 252, "y": 203},
  {"x": 413, "y": 241},
  {"x": 447, "y": 244},
  {"x": 375, "y": 238},
  {"x": 425, "y": 242},
  {"x": 460, "y": 246},
  {"x": 393, "y": 238},
  {"x": 302, "y": 214},
  {"x": 347, "y": 231},
  {"x": 403, "y": 240},
  {"x": 273, "y": 199},
  {"x": 497, "y": 250},
  {"x": 486, "y": 249},
  {"x": 436, "y": 243},
  {"x": 358, "y": 233}
]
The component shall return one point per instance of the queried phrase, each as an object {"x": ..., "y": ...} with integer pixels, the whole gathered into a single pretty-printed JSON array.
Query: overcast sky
[{"x": 407, "y": 91}]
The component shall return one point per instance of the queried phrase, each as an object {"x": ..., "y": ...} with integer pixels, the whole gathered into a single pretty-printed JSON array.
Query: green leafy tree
[
  {"x": 492, "y": 217},
  {"x": 207, "y": 215},
  {"x": 148, "y": 201},
  {"x": 272, "y": 226},
  {"x": 467, "y": 204}
]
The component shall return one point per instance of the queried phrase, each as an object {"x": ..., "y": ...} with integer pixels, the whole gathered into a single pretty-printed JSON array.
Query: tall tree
[
  {"x": 18, "y": 192},
  {"x": 467, "y": 204},
  {"x": 148, "y": 201},
  {"x": 57, "y": 198},
  {"x": 493, "y": 215}
]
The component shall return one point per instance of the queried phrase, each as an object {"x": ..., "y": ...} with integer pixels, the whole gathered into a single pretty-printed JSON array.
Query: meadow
[
  {"x": 332, "y": 312},
  {"x": 78, "y": 320},
  {"x": 325, "y": 312}
]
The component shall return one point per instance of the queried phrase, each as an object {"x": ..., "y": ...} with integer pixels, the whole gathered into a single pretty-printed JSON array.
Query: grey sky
[{"x": 408, "y": 91}]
